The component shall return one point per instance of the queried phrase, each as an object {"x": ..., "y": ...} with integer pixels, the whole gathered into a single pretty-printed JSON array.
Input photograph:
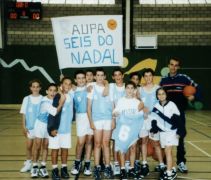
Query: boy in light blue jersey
[
  {"x": 100, "y": 117},
  {"x": 62, "y": 135},
  {"x": 129, "y": 121},
  {"x": 41, "y": 134},
  {"x": 147, "y": 94},
  {"x": 30, "y": 110},
  {"x": 84, "y": 132}
]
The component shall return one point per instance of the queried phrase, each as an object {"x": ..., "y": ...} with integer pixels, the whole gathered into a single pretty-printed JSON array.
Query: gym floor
[{"x": 12, "y": 151}]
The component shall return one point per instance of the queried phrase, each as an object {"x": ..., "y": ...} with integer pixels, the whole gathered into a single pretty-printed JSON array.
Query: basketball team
[{"x": 116, "y": 121}]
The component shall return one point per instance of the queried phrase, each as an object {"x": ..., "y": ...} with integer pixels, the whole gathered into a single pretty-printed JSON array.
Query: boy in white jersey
[
  {"x": 62, "y": 135},
  {"x": 100, "y": 117},
  {"x": 84, "y": 132},
  {"x": 29, "y": 110},
  {"x": 148, "y": 95},
  {"x": 41, "y": 134},
  {"x": 129, "y": 120}
]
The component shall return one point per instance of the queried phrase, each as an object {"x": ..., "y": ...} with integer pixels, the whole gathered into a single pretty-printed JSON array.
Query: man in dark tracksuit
[{"x": 174, "y": 84}]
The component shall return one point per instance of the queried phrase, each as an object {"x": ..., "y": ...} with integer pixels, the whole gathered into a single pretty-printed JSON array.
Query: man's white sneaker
[{"x": 182, "y": 167}]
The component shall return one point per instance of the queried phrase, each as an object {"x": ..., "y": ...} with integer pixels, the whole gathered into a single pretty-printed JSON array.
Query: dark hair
[
  {"x": 90, "y": 70},
  {"x": 130, "y": 83},
  {"x": 148, "y": 70},
  {"x": 135, "y": 74},
  {"x": 35, "y": 80},
  {"x": 79, "y": 72},
  {"x": 176, "y": 59},
  {"x": 161, "y": 88},
  {"x": 117, "y": 69},
  {"x": 99, "y": 69},
  {"x": 52, "y": 84},
  {"x": 64, "y": 78}
]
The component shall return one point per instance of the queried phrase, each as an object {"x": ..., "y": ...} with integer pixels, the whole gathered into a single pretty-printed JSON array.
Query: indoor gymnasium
[{"x": 105, "y": 89}]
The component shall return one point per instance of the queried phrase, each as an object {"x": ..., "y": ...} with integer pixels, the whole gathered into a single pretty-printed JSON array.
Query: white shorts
[
  {"x": 168, "y": 139},
  {"x": 155, "y": 137},
  {"x": 60, "y": 141},
  {"x": 31, "y": 134},
  {"x": 40, "y": 129},
  {"x": 103, "y": 125},
  {"x": 83, "y": 125}
]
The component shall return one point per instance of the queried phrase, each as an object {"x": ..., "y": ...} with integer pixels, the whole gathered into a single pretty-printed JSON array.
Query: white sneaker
[
  {"x": 182, "y": 167},
  {"x": 34, "y": 172},
  {"x": 43, "y": 172},
  {"x": 76, "y": 168},
  {"x": 87, "y": 169},
  {"x": 127, "y": 166},
  {"x": 116, "y": 169},
  {"x": 27, "y": 166}
]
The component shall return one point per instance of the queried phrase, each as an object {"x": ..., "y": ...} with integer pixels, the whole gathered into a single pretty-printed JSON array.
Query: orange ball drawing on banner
[{"x": 112, "y": 24}]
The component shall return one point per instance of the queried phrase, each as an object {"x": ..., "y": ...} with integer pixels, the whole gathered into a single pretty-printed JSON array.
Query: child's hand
[
  {"x": 92, "y": 126},
  {"x": 62, "y": 99},
  {"x": 115, "y": 114},
  {"x": 25, "y": 132},
  {"x": 89, "y": 88},
  {"x": 61, "y": 77},
  {"x": 190, "y": 98},
  {"x": 54, "y": 133},
  {"x": 140, "y": 106},
  {"x": 113, "y": 124}
]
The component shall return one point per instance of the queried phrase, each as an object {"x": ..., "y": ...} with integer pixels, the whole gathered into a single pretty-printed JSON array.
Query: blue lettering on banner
[
  {"x": 76, "y": 42},
  {"x": 94, "y": 57}
]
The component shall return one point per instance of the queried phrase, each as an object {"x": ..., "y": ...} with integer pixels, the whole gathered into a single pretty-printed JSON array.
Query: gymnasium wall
[{"x": 183, "y": 31}]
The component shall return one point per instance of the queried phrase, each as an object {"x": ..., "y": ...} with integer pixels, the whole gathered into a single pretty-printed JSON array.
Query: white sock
[
  {"x": 35, "y": 164},
  {"x": 169, "y": 173},
  {"x": 43, "y": 163},
  {"x": 144, "y": 162},
  {"x": 64, "y": 165},
  {"x": 54, "y": 166}
]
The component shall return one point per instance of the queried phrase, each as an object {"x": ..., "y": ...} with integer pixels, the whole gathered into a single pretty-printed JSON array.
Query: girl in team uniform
[
  {"x": 166, "y": 120},
  {"x": 30, "y": 109}
]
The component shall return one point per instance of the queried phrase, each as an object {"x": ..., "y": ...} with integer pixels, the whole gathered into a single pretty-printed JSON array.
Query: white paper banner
[{"x": 88, "y": 41}]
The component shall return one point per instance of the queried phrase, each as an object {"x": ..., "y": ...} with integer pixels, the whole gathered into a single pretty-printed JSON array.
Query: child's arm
[
  {"x": 89, "y": 113},
  {"x": 25, "y": 130},
  {"x": 106, "y": 89}
]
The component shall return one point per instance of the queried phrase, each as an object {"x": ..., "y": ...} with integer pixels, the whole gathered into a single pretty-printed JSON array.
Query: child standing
[
  {"x": 129, "y": 120},
  {"x": 41, "y": 134},
  {"x": 166, "y": 119},
  {"x": 100, "y": 117},
  {"x": 29, "y": 110},
  {"x": 148, "y": 95},
  {"x": 62, "y": 135},
  {"x": 84, "y": 132}
]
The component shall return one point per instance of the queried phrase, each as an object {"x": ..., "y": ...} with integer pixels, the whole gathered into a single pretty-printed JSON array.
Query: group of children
[{"x": 126, "y": 113}]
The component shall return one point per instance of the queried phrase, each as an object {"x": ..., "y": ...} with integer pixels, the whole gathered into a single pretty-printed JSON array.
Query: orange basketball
[
  {"x": 150, "y": 149},
  {"x": 189, "y": 91}
]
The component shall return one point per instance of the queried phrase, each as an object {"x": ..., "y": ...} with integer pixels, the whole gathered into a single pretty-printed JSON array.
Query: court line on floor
[
  {"x": 181, "y": 177},
  {"x": 198, "y": 148},
  {"x": 201, "y": 133},
  {"x": 201, "y": 123}
]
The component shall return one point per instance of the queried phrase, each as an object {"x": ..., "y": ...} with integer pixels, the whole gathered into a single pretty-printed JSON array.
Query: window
[{"x": 71, "y": 1}]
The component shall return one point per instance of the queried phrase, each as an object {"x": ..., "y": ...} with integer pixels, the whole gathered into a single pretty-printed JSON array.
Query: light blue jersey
[
  {"x": 101, "y": 106},
  {"x": 66, "y": 115},
  {"x": 149, "y": 98},
  {"x": 45, "y": 105},
  {"x": 116, "y": 92},
  {"x": 32, "y": 111},
  {"x": 127, "y": 130},
  {"x": 80, "y": 100}
]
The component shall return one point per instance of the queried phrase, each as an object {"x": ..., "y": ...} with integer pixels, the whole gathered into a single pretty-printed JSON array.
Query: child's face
[
  {"x": 118, "y": 77},
  {"x": 89, "y": 77},
  {"x": 80, "y": 80},
  {"x": 135, "y": 79},
  {"x": 35, "y": 88},
  {"x": 66, "y": 85},
  {"x": 100, "y": 77},
  {"x": 148, "y": 77},
  {"x": 162, "y": 95},
  {"x": 129, "y": 90},
  {"x": 51, "y": 92}
]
